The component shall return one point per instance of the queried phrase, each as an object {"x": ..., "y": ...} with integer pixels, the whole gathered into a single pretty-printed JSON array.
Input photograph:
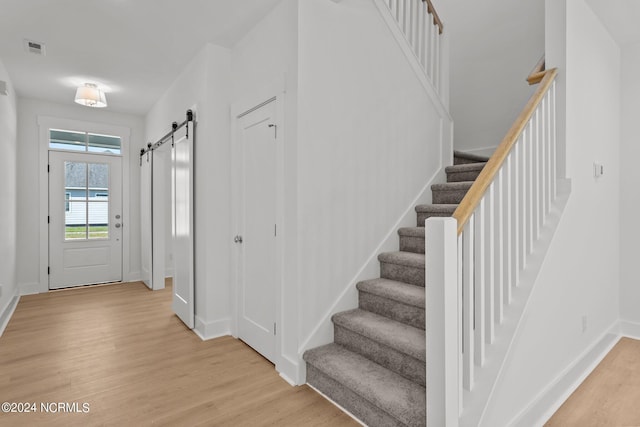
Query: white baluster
[
  {"x": 467, "y": 305},
  {"x": 535, "y": 180},
  {"x": 490, "y": 259},
  {"x": 554, "y": 152},
  {"x": 478, "y": 282},
  {"x": 502, "y": 239},
  {"x": 421, "y": 25}
]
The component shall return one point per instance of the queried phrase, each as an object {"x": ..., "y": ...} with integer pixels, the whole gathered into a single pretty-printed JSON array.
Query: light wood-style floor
[
  {"x": 610, "y": 396},
  {"x": 120, "y": 349}
]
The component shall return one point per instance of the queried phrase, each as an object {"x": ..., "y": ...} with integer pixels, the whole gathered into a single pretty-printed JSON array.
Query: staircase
[{"x": 375, "y": 368}]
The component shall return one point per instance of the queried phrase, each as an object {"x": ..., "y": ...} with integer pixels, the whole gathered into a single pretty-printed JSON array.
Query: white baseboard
[
  {"x": 7, "y": 311},
  {"x": 558, "y": 391},
  {"x": 289, "y": 370},
  {"x": 134, "y": 276},
  {"x": 629, "y": 329},
  {"x": 210, "y": 330},
  {"x": 29, "y": 288}
]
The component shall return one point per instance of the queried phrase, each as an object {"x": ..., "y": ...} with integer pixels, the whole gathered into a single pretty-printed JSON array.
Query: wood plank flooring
[
  {"x": 610, "y": 396},
  {"x": 120, "y": 349}
]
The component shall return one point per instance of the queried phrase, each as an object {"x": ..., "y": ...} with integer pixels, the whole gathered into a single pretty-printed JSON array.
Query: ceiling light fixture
[{"x": 91, "y": 96}]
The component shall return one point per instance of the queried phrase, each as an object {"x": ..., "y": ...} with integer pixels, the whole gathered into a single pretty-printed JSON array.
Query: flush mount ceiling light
[{"x": 91, "y": 96}]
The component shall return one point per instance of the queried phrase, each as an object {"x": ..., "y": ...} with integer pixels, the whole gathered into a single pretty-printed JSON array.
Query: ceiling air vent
[{"x": 34, "y": 47}]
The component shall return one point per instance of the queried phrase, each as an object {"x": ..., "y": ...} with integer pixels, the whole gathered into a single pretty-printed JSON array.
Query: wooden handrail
[
  {"x": 537, "y": 74},
  {"x": 436, "y": 18},
  {"x": 473, "y": 197}
]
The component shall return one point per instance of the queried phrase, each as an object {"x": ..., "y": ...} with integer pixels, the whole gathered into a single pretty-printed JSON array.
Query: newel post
[{"x": 443, "y": 304}]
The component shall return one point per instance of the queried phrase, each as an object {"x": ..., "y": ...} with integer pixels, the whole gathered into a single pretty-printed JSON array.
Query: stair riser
[
  {"x": 402, "y": 273},
  {"x": 462, "y": 176},
  {"x": 412, "y": 244},
  {"x": 402, "y": 364},
  {"x": 448, "y": 196},
  {"x": 463, "y": 161},
  {"x": 422, "y": 217},
  {"x": 361, "y": 408},
  {"x": 407, "y": 314}
]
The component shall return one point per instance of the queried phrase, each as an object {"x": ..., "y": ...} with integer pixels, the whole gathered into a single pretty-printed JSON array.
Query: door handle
[
  {"x": 237, "y": 239},
  {"x": 118, "y": 225}
]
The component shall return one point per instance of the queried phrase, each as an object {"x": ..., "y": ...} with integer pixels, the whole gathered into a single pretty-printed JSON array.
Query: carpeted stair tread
[
  {"x": 452, "y": 186},
  {"x": 395, "y": 300},
  {"x": 411, "y": 232},
  {"x": 396, "y": 291},
  {"x": 460, "y": 157},
  {"x": 465, "y": 167},
  {"x": 403, "y": 338},
  {"x": 450, "y": 192},
  {"x": 407, "y": 259},
  {"x": 412, "y": 239},
  {"x": 399, "y": 397},
  {"x": 464, "y": 172},
  {"x": 440, "y": 208}
]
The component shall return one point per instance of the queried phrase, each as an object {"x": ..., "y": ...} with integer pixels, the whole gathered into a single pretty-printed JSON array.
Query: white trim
[
  {"x": 289, "y": 369},
  {"x": 337, "y": 405},
  {"x": 44, "y": 124},
  {"x": 629, "y": 329},
  {"x": 401, "y": 39},
  {"x": 9, "y": 309},
  {"x": 547, "y": 402},
  {"x": 210, "y": 330}
]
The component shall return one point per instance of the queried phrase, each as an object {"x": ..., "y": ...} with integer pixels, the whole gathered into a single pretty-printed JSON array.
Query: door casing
[{"x": 238, "y": 110}]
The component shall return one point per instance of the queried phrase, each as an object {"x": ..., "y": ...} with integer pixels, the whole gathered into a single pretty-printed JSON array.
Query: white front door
[
  {"x": 257, "y": 210},
  {"x": 85, "y": 219}
]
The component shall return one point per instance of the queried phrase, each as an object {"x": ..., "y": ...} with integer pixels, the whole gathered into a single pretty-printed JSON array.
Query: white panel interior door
[
  {"x": 182, "y": 227},
  {"x": 257, "y": 210},
  {"x": 85, "y": 219},
  {"x": 146, "y": 218}
]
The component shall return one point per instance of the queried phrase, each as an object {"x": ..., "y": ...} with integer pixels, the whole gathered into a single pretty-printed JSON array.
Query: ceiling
[
  {"x": 133, "y": 49},
  {"x": 620, "y": 17}
]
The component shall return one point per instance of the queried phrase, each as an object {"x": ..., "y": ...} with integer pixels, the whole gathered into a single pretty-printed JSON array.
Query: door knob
[
  {"x": 118, "y": 225},
  {"x": 237, "y": 239}
]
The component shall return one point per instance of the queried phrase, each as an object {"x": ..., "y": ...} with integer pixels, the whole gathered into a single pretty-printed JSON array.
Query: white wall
[
  {"x": 8, "y": 192},
  {"x": 580, "y": 274},
  {"x": 629, "y": 179},
  {"x": 204, "y": 86},
  {"x": 28, "y": 173},
  {"x": 494, "y": 46},
  {"x": 264, "y": 64},
  {"x": 370, "y": 140}
]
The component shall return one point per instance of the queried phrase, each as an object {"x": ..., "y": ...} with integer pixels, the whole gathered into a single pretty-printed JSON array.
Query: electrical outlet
[{"x": 584, "y": 324}]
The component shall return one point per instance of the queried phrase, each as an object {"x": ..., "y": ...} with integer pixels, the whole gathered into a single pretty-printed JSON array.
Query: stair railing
[
  {"x": 422, "y": 27},
  {"x": 475, "y": 260}
]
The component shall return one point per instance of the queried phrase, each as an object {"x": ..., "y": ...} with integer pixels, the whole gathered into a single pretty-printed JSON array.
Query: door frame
[
  {"x": 276, "y": 95},
  {"x": 44, "y": 124}
]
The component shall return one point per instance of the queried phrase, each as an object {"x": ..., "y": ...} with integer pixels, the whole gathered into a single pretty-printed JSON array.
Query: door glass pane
[
  {"x": 75, "y": 221},
  {"x": 98, "y": 220},
  {"x": 104, "y": 144},
  {"x": 67, "y": 140},
  {"x": 75, "y": 180},
  {"x": 98, "y": 178}
]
